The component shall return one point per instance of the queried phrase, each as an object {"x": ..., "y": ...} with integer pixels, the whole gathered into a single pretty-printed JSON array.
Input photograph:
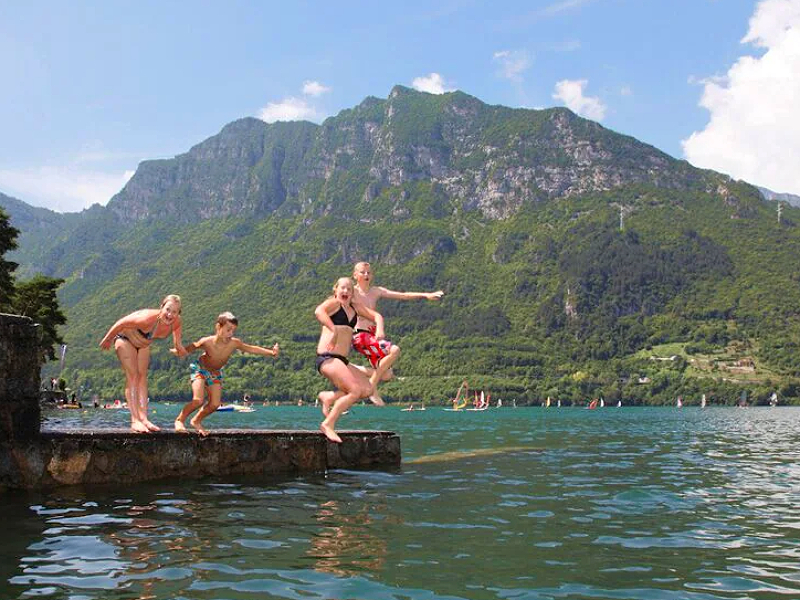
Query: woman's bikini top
[
  {"x": 149, "y": 335},
  {"x": 340, "y": 318}
]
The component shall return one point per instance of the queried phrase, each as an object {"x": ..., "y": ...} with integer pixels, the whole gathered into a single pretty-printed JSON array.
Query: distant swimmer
[
  {"x": 338, "y": 315},
  {"x": 131, "y": 337},
  {"x": 206, "y": 372}
]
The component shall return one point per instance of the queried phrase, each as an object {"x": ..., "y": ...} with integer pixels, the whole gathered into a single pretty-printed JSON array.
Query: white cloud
[
  {"x": 512, "y": 63},
  {"x": 753, "y": 131},
  {"x": 314, "y": 88},
  {"x": 288, "y": 109},
  {"x": 62, "y": 188},
  {"x": 433, "y": 84},
  {"x": 570, "y": 92}
]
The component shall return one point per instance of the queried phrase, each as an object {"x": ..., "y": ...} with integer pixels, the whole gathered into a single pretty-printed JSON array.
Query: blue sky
[{"x": 90, "y": 89}]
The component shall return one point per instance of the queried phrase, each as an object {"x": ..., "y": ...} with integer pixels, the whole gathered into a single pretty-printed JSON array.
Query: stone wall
[
  {"x": 111, "y": 456},
  {"x": 20, "y": 363}
]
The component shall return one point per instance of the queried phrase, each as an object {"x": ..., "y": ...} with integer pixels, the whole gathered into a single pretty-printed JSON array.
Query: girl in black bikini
[
  {"x": 338, "y": 315},
  {"x": 131, "y": 337}
]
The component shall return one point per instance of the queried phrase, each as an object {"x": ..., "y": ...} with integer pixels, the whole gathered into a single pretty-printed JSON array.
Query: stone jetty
[{"x": 34, "y": 458}]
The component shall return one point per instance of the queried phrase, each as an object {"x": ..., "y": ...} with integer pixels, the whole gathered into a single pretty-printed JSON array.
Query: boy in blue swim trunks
[{"x": 207, "y": 370}]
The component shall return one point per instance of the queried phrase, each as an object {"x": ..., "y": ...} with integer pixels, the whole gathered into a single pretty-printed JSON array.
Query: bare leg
[
  {"x": 128, "y": 358},
  {"x": 198, "y": 392},
  {"x": 141, "y": 388},
  {"x": 341, "y": 405},
  {"x": 214, "y": 398},
  {"x": 353, "y": 385},
  {"x": 327, "y": 399},
  {"x": 383, "y": 369}
]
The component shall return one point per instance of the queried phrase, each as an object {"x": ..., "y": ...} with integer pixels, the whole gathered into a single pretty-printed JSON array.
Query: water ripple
[{"x": 644, "y": 504}]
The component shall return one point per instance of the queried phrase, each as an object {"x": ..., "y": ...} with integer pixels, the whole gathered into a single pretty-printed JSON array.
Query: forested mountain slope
[{"x": 570, "y": 254}]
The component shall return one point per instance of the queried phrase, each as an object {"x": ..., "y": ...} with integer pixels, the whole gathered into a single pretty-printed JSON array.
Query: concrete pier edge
[{"x": 31, "y": 458}]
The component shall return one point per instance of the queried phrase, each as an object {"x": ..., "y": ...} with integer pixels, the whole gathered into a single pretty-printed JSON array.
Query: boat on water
[
  {"x": 481, "y": 401},
  {"x": 235, "y": 408},
  {"x": 410, "y": 408},
  {"x": 592, "y": 405}
]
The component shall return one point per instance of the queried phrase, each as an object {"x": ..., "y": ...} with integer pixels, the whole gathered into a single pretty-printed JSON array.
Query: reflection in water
[
  {"x": 524, "y": 504},
  {"x": 115, "y": 547},
  {"x": 345, "y": 545}
]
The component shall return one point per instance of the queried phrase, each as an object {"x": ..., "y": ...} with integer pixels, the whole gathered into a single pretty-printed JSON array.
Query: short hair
[
  {"x": 227, "y": 317},
  {"x": 362, "y": 263}
]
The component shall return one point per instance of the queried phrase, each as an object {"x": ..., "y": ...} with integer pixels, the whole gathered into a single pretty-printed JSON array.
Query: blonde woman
[
  {"x": 338, "y": 315},
  {"x": 131, "y": 337}
]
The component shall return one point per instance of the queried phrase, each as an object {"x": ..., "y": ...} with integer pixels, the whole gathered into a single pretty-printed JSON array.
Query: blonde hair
[
  {"x": 336, "y": 285},
  {"x": 362, "y": 263},
  {"x": 174, "y": 298},
  {"x": 227, "y": 317}
]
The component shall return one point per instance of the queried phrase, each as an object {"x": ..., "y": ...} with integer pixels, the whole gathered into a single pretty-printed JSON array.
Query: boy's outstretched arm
[
  {"x": 393, "y": 295},
  {"x": 274, "y": 351}
]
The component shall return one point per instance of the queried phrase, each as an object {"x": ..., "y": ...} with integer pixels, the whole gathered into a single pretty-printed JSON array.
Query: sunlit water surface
[{"x": 526, "y": 504}]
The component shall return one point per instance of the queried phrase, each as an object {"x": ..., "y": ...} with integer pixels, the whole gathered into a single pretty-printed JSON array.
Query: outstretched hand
[
  {"x": 276, "y": 349},
  {"x": 436, "y": 295}
]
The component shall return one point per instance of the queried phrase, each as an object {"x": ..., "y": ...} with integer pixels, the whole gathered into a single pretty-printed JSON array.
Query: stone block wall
[{"x": 20, "y": 364}]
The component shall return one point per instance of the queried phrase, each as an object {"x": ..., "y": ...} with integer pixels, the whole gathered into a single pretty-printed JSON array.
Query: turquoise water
[{"x": 631, "y": 503}]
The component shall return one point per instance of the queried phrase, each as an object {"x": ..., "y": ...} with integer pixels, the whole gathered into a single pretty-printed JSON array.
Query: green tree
[
  {"x": 35, "y": 298},
  {"x": 8, "y": 241}
]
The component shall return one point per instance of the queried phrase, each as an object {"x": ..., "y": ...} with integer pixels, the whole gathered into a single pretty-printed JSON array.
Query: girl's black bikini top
[
  {"x": 340, "y": 318},
  {"x": 149, "y": 335}
]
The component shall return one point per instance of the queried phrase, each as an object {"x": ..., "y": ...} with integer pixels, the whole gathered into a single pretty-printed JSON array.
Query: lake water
[{"x": 527, "y": 503}]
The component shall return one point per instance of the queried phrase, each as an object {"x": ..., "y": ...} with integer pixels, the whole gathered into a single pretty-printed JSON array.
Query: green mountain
[{"x": 573, "y": 258}]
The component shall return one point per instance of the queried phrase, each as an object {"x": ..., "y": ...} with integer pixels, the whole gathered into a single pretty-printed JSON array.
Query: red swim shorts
[{"x": 365, "y": 342}]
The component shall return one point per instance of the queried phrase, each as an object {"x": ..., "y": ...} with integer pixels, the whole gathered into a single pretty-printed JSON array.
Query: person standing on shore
[{"x": 131, "y": 337}]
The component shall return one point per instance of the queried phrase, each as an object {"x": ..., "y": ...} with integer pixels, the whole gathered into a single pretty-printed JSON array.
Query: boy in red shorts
[{"x": 381, "y": 354}]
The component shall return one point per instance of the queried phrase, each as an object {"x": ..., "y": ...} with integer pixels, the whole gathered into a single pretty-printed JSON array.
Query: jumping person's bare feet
[
  {"x": 180, "y": 426},
  {"x": 151, "y": 426},
  {"x": 138, "y": 427},
  {"x": 330, "y": 433},
  {"x": 200, "y": 429}
]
